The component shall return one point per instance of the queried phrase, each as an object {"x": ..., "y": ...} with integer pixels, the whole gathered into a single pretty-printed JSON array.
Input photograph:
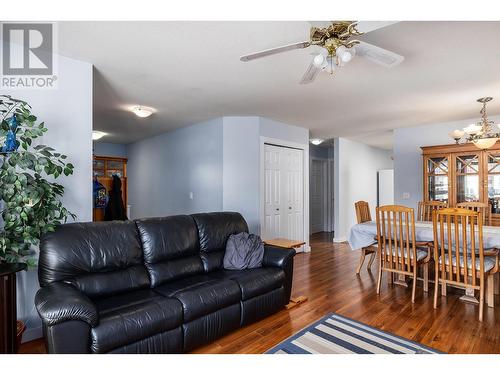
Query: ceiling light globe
[
  {"x": 472, "y": 129},
  {"x": 96, "y": 134},
  {"x": 141, "y": 111},
  {"x": 346, "y": 57},
  {"x": 484, "y": 143},
  {"x": 316, "y": 141},
  {"x": 319, "y": 60}
]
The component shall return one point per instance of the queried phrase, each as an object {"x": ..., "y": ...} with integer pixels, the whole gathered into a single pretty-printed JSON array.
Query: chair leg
[
  {"x": 372, "y": 258},
  {"x": 443, "y": 289},
  {"x": 436, "y": 291},
  {"x": 361, "y": 260},
  {"x": 481, "y": 298},
  {"x": 414, "y": 288},
  {"x": 426, "y": 277},
  {"x": 379, "y": 281},
  {"x": 490, "y": 288},
  {"x": 497, "y": 282}
]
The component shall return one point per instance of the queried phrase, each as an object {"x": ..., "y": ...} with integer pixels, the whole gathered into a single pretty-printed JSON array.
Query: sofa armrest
[
  {"x": 277, "y": 256},
  {"x": 281, "y": 258},
  {"x": 59, "y": 302}
]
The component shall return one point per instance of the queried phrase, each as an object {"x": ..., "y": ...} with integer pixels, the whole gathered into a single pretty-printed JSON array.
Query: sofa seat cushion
[
  {"x": 201, "y": 294},
  {"x": 254, "y": 282},
  {"x": 130, "y": 317}
]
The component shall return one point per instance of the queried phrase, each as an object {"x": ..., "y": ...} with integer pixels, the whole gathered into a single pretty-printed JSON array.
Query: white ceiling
[{"x": 190, "y": 72}]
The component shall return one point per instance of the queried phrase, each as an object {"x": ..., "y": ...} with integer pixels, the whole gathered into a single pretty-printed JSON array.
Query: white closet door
[
  {"x": 272, "y": 192},
  {"x": 294, "y": 193},
  {"x": 283, "y": 193}
]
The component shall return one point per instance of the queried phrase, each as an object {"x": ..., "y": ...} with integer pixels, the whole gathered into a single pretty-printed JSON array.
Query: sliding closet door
[{"x": 283, "y": 193}]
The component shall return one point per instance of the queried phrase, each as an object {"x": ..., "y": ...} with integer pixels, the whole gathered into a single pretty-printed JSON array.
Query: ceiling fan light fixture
[
  {"x": 316, "y": 141},
  {"x": 319, "y": 60},
  {"x": 141, "y": 111}
]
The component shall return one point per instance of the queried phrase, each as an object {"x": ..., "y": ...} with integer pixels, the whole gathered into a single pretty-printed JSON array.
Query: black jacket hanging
[{"x": 115, "y": 210}]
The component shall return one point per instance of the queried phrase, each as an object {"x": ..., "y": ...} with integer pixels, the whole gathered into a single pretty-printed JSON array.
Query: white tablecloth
[{"x": 365, "y": 234}]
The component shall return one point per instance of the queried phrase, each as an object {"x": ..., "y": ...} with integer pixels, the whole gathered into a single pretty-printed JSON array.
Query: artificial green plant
[{"x": 30, "y": 200}]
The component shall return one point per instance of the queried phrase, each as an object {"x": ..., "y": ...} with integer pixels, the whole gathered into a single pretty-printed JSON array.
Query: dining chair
[
  {"x": 399, "y": 252},
  {"x": 459, "y": 254},
  {"x": 363, "y": 215},
  {"x": 483, "y": 208},
  {"x": 425, "y": 209}
]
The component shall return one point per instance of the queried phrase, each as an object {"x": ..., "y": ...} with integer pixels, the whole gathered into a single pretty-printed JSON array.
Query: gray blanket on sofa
[{"x": 243, "y": 250}]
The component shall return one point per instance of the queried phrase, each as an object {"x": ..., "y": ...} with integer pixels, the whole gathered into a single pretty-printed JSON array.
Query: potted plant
[{"x": 30, "y": 202}]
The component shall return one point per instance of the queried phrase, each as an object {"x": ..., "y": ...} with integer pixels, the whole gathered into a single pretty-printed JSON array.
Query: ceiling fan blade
[
  {"x": 367, "y": 26},
  {"x": 310, "y": 74},
  {"x": 378, "y": 55},
  {"x": 274, "y": 51}
]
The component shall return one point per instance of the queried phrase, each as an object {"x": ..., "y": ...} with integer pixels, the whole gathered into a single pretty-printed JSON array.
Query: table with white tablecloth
[{"x": 365, "y": 234}]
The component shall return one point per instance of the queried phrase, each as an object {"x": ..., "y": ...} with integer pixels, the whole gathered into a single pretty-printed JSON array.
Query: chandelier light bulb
[
  {"x": 472, "y": 129},
  {"x": 319, "y": 61}
]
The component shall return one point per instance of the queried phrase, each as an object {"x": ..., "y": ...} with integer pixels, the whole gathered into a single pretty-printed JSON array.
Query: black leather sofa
[{"x": 152, "y": 285}]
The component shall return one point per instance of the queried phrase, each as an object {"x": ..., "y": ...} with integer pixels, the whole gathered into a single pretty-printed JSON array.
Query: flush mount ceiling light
[
  {"x": 316, "y": 141},
  {"x": 482, "y": 134},
  {"x": 141, "y": 111},
  {"x": 96, "y": 134}
]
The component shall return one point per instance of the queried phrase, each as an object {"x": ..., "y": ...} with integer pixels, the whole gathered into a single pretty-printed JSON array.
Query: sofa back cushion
[
  {"x": 214, "y": 230},
  {"x": 171, "y": 248},
  {"x": 99, "y": 258}
]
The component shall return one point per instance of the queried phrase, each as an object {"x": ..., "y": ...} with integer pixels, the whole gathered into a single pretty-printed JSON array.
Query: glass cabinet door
[
  {"x": 493, "y": 183},
  {"x": 437, "y": 178},
  {"x": 468, "y": 178}
]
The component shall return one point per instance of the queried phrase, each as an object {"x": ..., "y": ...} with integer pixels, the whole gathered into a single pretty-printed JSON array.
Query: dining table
[{"x": 365, "y": 234}]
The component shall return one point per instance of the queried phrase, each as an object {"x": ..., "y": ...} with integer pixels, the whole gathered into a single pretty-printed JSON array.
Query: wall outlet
[
  {"x": 191, "y": 195},
  {"x": 406, "y": 195}
]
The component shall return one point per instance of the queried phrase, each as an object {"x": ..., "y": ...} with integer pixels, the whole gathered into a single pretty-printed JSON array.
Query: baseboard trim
[{"x": 339, "y": 239}]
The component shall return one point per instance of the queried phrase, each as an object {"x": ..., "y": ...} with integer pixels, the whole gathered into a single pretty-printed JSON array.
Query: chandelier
[{"x": 482, "y": 133}]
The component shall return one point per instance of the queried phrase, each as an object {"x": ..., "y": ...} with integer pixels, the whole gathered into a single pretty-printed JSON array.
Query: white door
[
  {"x": 272, "y": 192},
  {"x": 385, "y": 187},
  {"x": 317, "y": 196},
  {"x": 283, "y": 193}
]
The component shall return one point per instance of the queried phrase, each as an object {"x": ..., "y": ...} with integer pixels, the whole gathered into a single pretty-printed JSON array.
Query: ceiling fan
[{"x": 338, "y": 47}]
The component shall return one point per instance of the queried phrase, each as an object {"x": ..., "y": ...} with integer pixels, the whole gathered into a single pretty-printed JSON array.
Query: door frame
[
  {"x": 305, "y": 172},
  {"x": 325, "y": 190}
]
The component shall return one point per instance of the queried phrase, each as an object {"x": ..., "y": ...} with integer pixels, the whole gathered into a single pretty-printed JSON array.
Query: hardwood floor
[{"x": 327, "y": 276}]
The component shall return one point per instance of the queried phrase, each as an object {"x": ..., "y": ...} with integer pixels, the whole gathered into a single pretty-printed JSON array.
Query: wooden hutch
[
  {"x": 460, "y": 173},
  {"x": 103, "y": 168}
]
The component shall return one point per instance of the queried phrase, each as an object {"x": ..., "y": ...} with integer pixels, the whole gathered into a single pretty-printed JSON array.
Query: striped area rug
[{"x": 335, "y": 334}]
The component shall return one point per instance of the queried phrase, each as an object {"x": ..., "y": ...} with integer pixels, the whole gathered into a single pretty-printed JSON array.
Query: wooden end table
[{"x": 286, "y": 244}]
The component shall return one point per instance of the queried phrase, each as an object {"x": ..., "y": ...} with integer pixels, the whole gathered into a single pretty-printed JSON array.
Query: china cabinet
[
  {"x": 463, "y": 173},
  {"x": 104, "y": 167}
]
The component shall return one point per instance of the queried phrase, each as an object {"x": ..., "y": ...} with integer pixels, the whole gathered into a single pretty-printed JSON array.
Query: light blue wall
[
  {"x": 110, "y": 149},
  {"x": 163, "y": 170},
  {"x": 241, "y": 168},
  {"x": 408, "y": 156}
]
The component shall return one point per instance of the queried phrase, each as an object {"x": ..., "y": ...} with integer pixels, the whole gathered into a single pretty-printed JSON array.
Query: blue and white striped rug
[{"x": 335, "y": 334}]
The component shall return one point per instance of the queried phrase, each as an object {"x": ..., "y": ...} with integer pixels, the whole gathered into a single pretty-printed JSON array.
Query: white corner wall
[
  {"x": 356, "y": 166},
  {"x": 67, "y": 113},
  {"x": 242, "y": 139}
]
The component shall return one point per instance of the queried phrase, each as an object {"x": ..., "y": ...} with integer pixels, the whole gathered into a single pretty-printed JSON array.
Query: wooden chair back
[
  {"x": 458, "y": 234},
  {"x": 425, "y": 209},
  {"x": 362, "y": 212},
  {"x": 396, "y": 239},
  {"x": 480, "y": 207}
]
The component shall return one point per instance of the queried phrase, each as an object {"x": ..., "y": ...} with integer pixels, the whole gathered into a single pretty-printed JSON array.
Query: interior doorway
[{"x": 318, "y": 188}]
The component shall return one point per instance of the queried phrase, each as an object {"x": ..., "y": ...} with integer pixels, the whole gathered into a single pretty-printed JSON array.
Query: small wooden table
[{"x": 287, "y": 245}]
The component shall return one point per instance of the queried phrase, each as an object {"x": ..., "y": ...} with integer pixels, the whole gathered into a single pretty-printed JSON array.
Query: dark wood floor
[{"x": 327, "y": 277}]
